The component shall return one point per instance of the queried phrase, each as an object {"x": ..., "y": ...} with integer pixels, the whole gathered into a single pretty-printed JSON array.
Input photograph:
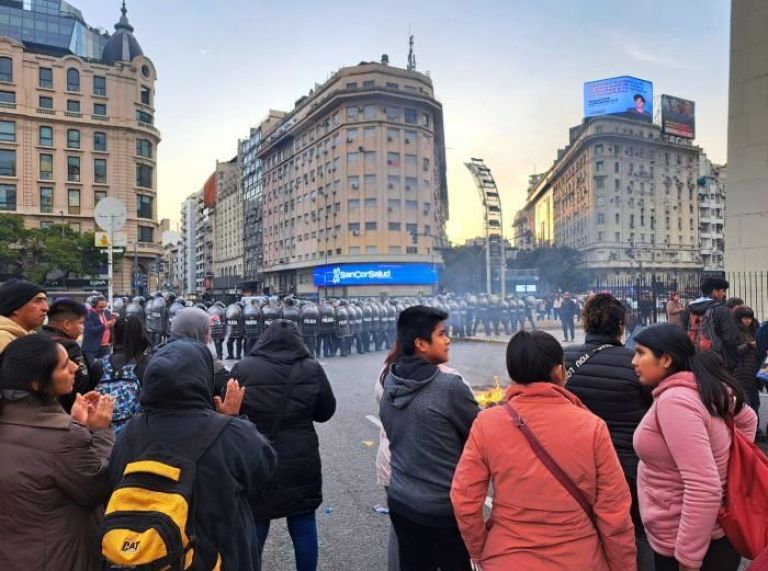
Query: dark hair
[
  {"x": 711, "y": 283},
  {"x": 417, "y": 322},
  {"x": 716, "y": 385},
  {"x": 393, "y": 357},
  {"x": 27, "y": 359},
  {"x": 732, "y": 302},
  {"x": 743, "y": 311},
  {"x": 604, "y": 315},
  {"x": 532, "y": 355},
  {"x": 66, "y": 309},
  {"x": 131, "y": 337}
]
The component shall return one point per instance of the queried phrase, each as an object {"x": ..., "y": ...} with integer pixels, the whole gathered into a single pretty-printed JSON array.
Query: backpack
[
  {"x": 122, "y": 384},
  {"x": 701, "y": 331},
  {"x": 150, "y": 520}
]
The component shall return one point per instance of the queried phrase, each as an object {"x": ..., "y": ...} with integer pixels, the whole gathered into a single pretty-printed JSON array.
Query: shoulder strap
[
  {"x": 583, "y": 359},
  {"x": 215, "y": 426},
  {"x": 196, "y": 447},
  {"x": 287, "y": 390},
  {"x": 550, "y": 463}
]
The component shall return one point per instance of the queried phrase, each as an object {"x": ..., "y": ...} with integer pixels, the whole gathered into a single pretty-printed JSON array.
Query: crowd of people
[{"x": 122, "y": 450}]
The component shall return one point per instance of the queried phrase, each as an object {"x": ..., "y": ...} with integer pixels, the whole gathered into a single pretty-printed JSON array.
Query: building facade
[
  {"x": 622, "y": 193},
  {"x": 188, "y": 253},
  {"x": 711, "y": 189},
  {"x": 354, "y": 186},
  {"x": 76, "y": 125},
  {"x": 228, "y": 222}
]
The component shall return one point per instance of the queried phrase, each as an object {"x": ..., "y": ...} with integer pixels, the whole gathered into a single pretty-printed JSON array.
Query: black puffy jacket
[
  {"x": 608, "y": 386},
  {"x": 297, "y": 485}
]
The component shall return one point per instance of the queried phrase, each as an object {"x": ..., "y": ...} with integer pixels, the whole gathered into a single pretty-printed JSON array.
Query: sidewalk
[{"x": 552, "y": 327}]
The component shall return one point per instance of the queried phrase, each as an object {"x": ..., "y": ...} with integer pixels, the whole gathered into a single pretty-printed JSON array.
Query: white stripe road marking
[{"x": 373, "y": 420}]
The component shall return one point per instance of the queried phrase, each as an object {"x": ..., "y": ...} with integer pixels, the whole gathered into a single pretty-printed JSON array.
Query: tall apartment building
[
  {"x": 189, "y": 210},
  {"x": 711, "y": 189},
  {"x": 76, "y": 125},
  {"x": 622, "y": 193},
  {"x": 204, "y": 238},
  {"x": 354, "y": 185},
  {"x": 227, "y": 230}
]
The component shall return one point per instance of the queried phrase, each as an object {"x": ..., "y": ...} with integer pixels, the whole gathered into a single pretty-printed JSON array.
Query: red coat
[{"x": 535, "y": 523}]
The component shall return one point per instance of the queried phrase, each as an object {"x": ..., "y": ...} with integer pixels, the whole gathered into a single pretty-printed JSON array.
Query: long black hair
[
  {"x": 531, "y": 356},
  {"x": 716, "y": 386},
  {"x": 28, "y": 359},
  {"x": 131, "y": 340}
]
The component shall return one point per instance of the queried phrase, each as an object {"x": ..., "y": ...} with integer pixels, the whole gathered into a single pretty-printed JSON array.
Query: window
[
  {"x": 393, "y": 204},
  {"x": 410, "y": 160},
  {"x": 393, "y": 134},
  {"x": 99, "y": 141},
  {"x": 100, "y": 171},
  {"x": 146, "y": 234},
  {"x": 599, "y": 166},
  {"x": 144, "y": 148},
  {"x": 99, "y": 109},
  {"x": 371, "y": 250},
  {"x": 353, "y": 182},
  {"x": 369, "y": 84},
  {"x": 73, "y": 79},
  {"x": 412, "y": 228},
  {"x": 394, "y": 226},
  {"x": 6, "y": 74},
  {"x": 144, "y": 117},
  {"x": 369, "y": 112},
  {"x": 411, "y": 250},
  {"x": 393, "y": 160},
  {"x": 99, "y": 85},
  {"x": 410, "y": 137},
  {"x": 73, "y": 139},
  {"x": 46, "y": 136},
  {"x": 73, "y": 201},
  {"x": 370, "y": 203},
  {"x": 7, "y": 163},
  {"x": 46, "y": 167},
  {"x": 395, "y": 249},
  {"x": 353, "y": 203},
  {"x": 370, "y": 180},
  {"x": 369, "y": 132},
  {"x": 411, "y": 205},
  {"x": 410, "y": 116},
  {"x": 352, "y": 85},
  {"x": 73, "y": 106},
  {"x": 393, "y": 182},
  {"x": 7, "y": 197},
  {"x": 8, "y": 97},
  {"x": 371, "y": 226},
  {"x": 7, "y": 131},
  {"x": 351, "y": 135},
  {"x": 392, "y": 113},
  {"x": 45, "y": 78},
  {"x": 144, "y": 207},
  {"x": 369, "y": 160},
  {"x": 146, "y": 95},
  {"x": 73, "y": 169},
  {"x": 618, "y": 217},
  {"x": 352, "y": 113},
  {"x": 45, "y": 102},
  {"x": 354, "y": 227},
  {"x": 144, "y": 176},
  {"x": 98, "y": 195},
  {"x": 46, "y": 199},
  {"x": 598, "y": 149},
  {"x": 352, "y": 159},
  {"x": 391, "y": 85}
]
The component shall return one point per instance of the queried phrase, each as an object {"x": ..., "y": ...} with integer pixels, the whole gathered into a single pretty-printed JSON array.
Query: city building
[
  {"x": 76, "y": 125},
  {"x": 354, "y": 195},
  {"x": 711, "y": 190},
  {"x": 624, "y": 194},
  {"x": 204, "y": 239},
  {"x": 746, "y": 248},
  {"x": 171, "y": 266},
  {"x": 228, "y": 222},
  {"x": 188, "y": 254}
]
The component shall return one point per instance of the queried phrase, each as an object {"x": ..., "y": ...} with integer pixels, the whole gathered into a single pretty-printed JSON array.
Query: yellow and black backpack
[{"x": 150, "y": 518}]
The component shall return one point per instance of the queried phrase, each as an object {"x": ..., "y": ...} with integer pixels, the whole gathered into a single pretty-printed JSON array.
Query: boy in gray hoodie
[{"x": 427, "y": 415}]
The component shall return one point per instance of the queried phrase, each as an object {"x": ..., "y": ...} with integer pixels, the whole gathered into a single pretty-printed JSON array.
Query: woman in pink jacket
[
  {"x": 684, "y": 444},
  {"x": 535, "y": 523}
]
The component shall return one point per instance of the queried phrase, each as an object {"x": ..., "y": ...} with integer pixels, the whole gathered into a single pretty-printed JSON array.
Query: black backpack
[{"x": 150, "y": 519}]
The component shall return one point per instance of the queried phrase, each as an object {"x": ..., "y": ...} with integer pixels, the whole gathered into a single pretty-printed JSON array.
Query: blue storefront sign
[{"x": 375, "y": 274}]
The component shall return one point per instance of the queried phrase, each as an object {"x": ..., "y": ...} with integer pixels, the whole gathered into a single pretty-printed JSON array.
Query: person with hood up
[
  {"x": 427, "y": 414},
  {"x": 23, "y": 307},
  {"x": 286, "y": 393},
  {"x": 711, "y": 307},
  {"x": 178, "y": 402}
]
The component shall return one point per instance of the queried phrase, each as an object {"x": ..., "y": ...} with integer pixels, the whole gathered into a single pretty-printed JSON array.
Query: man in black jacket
[
  {"x": 177, "y": 397},
  {"x": 601, "y": 374},
  {"x": 710, "y": 307}
]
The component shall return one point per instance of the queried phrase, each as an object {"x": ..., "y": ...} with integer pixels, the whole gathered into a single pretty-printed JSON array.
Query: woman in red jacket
[{"x": 535, "y": 523}]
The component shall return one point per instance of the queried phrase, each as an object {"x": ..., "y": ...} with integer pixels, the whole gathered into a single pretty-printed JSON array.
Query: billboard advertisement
[
  {"x": 623, "y": 96},
  {"x": 678, "y": 116},
  {"x": 375, "y": 274}
]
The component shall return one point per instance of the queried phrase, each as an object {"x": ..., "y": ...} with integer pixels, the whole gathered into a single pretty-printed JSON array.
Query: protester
[
  {"x": 733, "y": 303},
  {"x": 53, "y": 475},
  {"x": 748, "y": 360},
  {"x": 23, "y": 306},
  {"x": 286, "y": 393},
  {"x": 536, "y": 524},
  {"x": 603, "y": 378},
  {"x": 710, "y": 310},
  {"x": 97, "y": 337},
  {"x": 123, "y": 370},
  {"x": 568, "y": 310},
  {"x": 178, "y": 402},
  {"x": 65, "y": 325},
  {"x": 683, "y": 444},
  {"x": 427, "y": 415},
  {"x": 675, "y": 309}
]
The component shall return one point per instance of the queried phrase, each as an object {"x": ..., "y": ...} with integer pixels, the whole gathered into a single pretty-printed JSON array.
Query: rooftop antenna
[{"x": 411, "y": 55}]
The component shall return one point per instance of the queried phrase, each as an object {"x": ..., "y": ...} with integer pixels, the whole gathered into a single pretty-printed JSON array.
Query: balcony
[
  {"x": 103, "y": 118},
  {"x": 4, "y": 105}
]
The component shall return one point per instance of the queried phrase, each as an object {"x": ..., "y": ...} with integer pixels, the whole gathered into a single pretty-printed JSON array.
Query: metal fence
[{"x": 647, "y": 295}]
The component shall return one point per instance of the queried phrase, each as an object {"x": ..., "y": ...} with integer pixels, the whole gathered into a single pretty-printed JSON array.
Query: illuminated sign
[
  {"x": 678, "y": 116},
  {"x": 623, "y": 96},
  {"x": 375, "y": 274}
]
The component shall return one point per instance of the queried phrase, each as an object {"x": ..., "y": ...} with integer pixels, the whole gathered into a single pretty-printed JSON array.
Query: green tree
[
  {"x": 558, "y": 268},
  {"x": 13, "y": 237}
]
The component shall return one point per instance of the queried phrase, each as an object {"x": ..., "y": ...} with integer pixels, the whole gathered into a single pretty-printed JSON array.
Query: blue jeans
[{"x": 303, "y": 530}]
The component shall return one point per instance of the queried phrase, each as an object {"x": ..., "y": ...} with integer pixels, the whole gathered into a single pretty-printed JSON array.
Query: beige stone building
[
  {"x": 228, "y": 219},
  {"x": 746, "y": 246},
  {"x": 355, "y": 174},
  {"x": 76, "y": 125}
]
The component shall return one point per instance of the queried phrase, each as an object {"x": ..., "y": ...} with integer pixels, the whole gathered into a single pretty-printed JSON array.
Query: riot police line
[{"x": 331, "y": 327}]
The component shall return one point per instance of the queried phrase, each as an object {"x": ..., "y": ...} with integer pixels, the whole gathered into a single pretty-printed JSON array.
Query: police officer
[
  {"x": 504, "y": 308},
  {"x": 290, "y": 310},
  {"x": 327, "y": 321},
  {"x": 377, "y": 325},
  {"x": 157, "y": 318},
  {"x": 252, "y": 321},
  {"x": 235, "y": 331},
  {"x": 217, "y": 314},
  {"x": 530, "y": 304},
  {"x": 367, "y": 330},
  {"x": 471, "y": 315},
  {"x": 270, "y": 313},
  {"x": 494, "y": 313},
  {"x": 136, "y": 307},
  {"x": 118, "y": 306},
  {"x": 309, "y": 318},
  {"x": 482, "y": 314},
  {"x": 342, "y": 329},
  {"x": 356, "y": 322}
]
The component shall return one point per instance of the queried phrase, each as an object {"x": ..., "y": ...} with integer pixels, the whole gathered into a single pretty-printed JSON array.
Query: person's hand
[
  {"x": 233, "y": 399},
  {"x": 100, "y": 414},
  {"x": 79, "y": 412}
]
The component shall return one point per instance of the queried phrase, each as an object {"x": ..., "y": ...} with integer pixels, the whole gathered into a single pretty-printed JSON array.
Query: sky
[{"x": 509, "y": 74}]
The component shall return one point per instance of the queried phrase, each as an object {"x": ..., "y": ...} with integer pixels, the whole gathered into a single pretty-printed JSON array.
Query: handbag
[{"x": 551, "y": 464}]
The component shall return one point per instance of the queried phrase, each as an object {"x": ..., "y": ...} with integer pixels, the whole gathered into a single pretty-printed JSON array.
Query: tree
[
  {"x": 12, "y": 240},
  {"x": 558, "y": 268},
  {"x": 463, "y": 269}
]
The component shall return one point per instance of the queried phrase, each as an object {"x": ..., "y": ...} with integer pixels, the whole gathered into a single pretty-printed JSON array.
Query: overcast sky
[{"x": 509, "y": 73}]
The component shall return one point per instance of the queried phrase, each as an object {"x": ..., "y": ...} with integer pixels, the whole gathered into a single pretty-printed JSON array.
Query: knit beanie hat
[
  {"x": 15, "y": 294},
  {"x": 21, "y": 362}
]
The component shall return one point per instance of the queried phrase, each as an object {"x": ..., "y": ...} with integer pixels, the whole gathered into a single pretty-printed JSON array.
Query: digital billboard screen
[
  {"x": 678, "y": 116},
  {"x": 623, "y": 96},
  {"x": 375, "y": 274}
]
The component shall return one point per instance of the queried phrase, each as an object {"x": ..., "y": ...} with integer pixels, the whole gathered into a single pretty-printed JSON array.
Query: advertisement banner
[
  {"x": 375, "y": 274},
  {"x": 678, "y": 116},
  {"x": 623, "y": 96}
]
